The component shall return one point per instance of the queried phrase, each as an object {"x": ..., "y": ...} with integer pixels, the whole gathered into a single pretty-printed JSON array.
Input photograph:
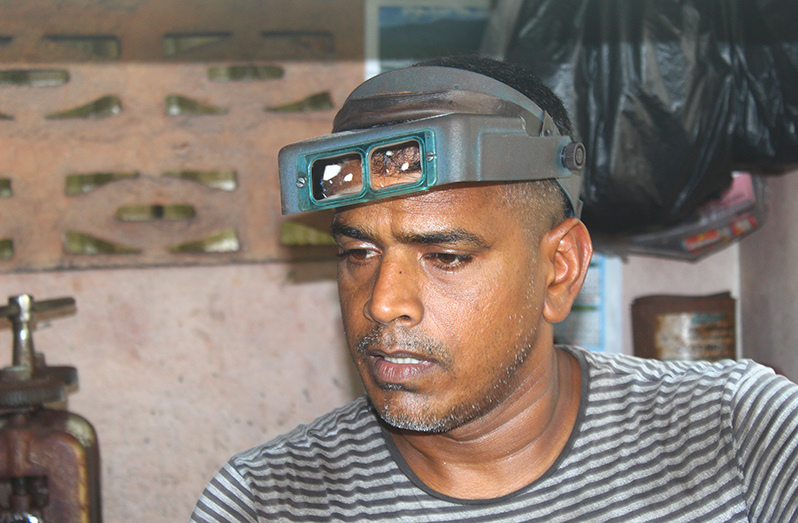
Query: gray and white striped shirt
[{"x": 653, "y": 441}]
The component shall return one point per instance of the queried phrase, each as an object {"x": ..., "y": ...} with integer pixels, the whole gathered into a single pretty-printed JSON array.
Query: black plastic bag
[
  {"x": 765, "y": 109},
  {"x": 668, "y": 97}
]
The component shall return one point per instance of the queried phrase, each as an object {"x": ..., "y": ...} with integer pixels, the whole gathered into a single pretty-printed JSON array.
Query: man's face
[{"x": 441, "y": 297}]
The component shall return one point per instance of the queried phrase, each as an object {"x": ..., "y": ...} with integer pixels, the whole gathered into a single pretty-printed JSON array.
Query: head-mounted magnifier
[{"x": 408, "y": 130}]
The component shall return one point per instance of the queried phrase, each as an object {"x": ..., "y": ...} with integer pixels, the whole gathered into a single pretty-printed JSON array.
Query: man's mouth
[
  {"x": 399, "y": 357},
  {"x": 397, "y": 369},
  {"x": 403, "y": 360}
]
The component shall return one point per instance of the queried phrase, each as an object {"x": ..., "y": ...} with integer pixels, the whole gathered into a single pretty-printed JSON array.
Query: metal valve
[
  {"x": 28, "y": 381},
  {"x": 49, "y": 457}
]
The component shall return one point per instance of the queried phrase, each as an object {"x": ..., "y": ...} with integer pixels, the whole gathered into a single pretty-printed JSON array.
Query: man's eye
[
  {"x": 449, "y": 261},
  {"x": 355, "y": 254}
]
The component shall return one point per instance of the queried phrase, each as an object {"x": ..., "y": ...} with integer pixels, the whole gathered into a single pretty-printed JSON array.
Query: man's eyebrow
[
  {"x": 338, "y": 229},
  {"x": 452, "y": 236}
]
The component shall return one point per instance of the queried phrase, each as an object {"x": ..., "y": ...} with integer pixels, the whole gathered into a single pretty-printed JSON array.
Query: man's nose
[{"x": 395, "y": 295}]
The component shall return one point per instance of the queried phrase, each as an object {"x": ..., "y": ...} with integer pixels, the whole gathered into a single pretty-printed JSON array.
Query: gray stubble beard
[{"x": 422, "y": 420}]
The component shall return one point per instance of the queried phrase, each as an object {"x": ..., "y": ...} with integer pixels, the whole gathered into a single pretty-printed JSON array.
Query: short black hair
[
  {"x": 517, "y": 76},
  {"x": 523, "y": 80}
]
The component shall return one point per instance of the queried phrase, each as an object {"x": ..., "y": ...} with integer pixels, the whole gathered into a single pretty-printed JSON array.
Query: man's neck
[{"x": 507, "y": 449}]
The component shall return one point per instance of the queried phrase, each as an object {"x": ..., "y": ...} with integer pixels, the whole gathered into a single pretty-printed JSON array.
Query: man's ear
[{"x": 566, "y": 251}]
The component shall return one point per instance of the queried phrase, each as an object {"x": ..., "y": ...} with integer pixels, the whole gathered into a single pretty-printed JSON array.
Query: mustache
[{"x": 400, "y": 339}]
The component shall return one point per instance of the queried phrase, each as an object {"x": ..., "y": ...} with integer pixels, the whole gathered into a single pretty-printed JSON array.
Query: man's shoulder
[
  {"x": 320, "y": 471},
  {"x": 350, "y": 428},
  {"x": 623, "y": 365},
  {"x": 727, "y": 378}
]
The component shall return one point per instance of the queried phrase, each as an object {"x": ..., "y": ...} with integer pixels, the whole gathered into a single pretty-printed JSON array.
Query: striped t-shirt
[{"x": 652, "y": 442}]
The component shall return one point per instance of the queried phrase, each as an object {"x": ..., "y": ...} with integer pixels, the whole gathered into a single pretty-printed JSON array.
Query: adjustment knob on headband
[{"x": 573, "y": 156}]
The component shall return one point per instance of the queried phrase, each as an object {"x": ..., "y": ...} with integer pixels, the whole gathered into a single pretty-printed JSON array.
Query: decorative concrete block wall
[{"x": 131, "y": 133}]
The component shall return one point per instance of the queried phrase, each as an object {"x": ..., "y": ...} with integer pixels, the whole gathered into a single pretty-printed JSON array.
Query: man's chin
[
  {"x": 392, "y": 387},
  {"x": 409, "y": 424},
  {"x": 412, "y": 418}
]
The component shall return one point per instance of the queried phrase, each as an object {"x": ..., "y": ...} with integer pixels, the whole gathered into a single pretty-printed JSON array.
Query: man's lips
[
  {"x": 397, "y": 367},
  {"x": 399, "y": 356},
  {"x": 406, "y": 360}
]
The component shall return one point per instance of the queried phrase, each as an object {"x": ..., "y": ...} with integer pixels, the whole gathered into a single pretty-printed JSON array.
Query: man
[{"x": 455, "y": 186}]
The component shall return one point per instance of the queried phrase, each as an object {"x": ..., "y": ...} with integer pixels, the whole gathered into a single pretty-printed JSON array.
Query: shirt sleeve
[
  {"x": 765, "y": 425},
  {"x": 227, "y": 498}
]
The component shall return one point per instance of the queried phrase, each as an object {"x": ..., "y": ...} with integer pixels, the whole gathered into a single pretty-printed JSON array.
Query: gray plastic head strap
[
  {"x": 390, "y": 108},
  {"x": 441, "y": 90}
]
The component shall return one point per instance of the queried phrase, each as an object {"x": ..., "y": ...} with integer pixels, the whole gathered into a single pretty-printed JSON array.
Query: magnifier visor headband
[{"x": 443, "y": 136}]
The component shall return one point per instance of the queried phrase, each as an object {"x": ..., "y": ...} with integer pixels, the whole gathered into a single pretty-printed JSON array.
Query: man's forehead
[
  {"x": 457, "y": 198},
  {"x": 469, "y": 208}
]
